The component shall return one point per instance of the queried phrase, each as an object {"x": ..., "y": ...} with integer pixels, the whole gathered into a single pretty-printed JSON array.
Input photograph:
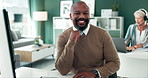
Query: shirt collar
[{"x": 85, "y": 31}]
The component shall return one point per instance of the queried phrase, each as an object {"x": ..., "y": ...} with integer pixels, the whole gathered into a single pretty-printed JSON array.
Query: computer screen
[{"x": 7, "y": 68}]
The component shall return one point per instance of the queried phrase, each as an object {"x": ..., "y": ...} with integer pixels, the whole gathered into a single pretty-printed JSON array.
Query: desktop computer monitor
[{"x": 7, "y": 68}]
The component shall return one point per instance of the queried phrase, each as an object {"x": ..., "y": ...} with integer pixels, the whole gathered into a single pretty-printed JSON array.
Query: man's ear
[{"x": 70, "y": 16}]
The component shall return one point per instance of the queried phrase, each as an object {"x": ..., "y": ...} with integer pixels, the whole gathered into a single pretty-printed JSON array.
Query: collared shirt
[
  {"x": 81, "y": 32},
  {"x": 133, "y": 36}
]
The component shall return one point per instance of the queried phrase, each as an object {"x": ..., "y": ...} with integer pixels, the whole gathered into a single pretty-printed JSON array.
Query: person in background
[
  {"x": 84, "y": 49},
  {"x": 137, "y": 34}
]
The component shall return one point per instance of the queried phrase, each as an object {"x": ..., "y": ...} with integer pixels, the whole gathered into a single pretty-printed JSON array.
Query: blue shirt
[{"x": 133, "y": 36}]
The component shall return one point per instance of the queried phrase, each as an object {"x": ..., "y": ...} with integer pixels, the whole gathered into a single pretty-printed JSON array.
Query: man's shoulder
[
  {"x": 97, "y": 28},
  {"x": 67, "y": 31}
]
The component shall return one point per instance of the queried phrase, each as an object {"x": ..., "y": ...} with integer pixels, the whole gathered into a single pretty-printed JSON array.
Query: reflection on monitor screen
[{"x": 7, "y": 69}]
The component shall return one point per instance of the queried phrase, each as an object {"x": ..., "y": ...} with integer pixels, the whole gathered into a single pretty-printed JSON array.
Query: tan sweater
[{"x": 88, "y": 53}]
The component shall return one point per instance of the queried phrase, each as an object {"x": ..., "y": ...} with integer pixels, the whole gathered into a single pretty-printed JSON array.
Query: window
[{"x": 19, "y": 16}]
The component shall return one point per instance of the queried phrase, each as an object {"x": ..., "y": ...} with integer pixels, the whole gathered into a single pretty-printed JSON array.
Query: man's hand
[
  {"x": 74, "y": 35},
  {"x": 85, "y": 75}
]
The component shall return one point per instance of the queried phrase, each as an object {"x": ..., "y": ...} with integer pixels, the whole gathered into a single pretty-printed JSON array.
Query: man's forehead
[
  {"x": 79, "y": 5},
  {"x": 80, "y": 8}
]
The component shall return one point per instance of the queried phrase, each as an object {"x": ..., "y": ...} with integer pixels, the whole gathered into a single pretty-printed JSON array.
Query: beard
[{"x": 81, "y": 28}]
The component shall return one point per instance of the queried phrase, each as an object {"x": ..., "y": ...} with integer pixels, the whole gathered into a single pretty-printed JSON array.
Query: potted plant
[{"x": 115, "y": 8}]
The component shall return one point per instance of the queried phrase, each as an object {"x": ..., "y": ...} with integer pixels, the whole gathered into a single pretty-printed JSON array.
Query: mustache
[{"x": 80, "y": 19}]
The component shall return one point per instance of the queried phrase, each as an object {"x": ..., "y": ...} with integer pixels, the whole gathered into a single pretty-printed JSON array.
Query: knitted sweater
[{"x": 92, "y": 51}]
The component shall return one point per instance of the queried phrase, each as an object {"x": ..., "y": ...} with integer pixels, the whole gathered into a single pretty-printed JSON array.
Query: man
[{"x": 85, "y": 49}]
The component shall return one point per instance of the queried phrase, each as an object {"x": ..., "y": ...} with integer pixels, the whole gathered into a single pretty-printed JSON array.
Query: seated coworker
[
  {"x": 137, "y": 34},
  {"x": 85, "y": 49}
]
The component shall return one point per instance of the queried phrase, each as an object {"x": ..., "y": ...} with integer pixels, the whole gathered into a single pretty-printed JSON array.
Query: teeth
[{"x": 81, "y": 21}]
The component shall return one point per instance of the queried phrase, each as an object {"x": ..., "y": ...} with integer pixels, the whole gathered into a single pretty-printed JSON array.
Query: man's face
[{"x": 80, "y": 16}]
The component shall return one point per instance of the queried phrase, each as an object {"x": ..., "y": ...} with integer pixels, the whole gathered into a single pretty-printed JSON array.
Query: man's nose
[{"x": 82, "y": 15}]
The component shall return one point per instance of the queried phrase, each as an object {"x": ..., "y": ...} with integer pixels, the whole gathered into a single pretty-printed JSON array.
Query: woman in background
[{"x": 137, "y": 34}]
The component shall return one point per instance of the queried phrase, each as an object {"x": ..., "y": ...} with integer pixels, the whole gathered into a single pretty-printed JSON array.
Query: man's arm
[
  {"x": 65, "y": 52},
  {"x": 112, "y": 61}
]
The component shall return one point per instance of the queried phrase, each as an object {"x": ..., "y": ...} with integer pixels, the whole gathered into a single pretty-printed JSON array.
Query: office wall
[
  {"x": 37, "y": 5},
  {"x": 126, "y": 9},
  {"x": 53, "y": 8}
]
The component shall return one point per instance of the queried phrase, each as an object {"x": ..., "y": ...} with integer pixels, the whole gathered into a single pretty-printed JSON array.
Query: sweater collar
[{"x": 85, "y": 31}]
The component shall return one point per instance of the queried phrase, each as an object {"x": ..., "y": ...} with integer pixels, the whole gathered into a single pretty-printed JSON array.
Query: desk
[
  {"x": 134, "y": 64},
  {"x": 26, "y": 72},
  {"x": 30, "y": 53}
]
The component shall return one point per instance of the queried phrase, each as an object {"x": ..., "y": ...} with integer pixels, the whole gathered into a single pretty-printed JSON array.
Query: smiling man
[{"x": 85, "y": 49}]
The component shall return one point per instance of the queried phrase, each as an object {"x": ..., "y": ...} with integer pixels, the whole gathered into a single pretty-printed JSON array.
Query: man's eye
[
  {"x": 77, "y": 13},
  {"x": 85, "y": 13}
]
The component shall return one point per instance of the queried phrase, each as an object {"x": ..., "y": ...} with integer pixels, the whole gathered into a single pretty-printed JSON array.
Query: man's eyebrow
[
  {"x": 76, "y": 11},
  {"x": 84, "y": 11}
]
